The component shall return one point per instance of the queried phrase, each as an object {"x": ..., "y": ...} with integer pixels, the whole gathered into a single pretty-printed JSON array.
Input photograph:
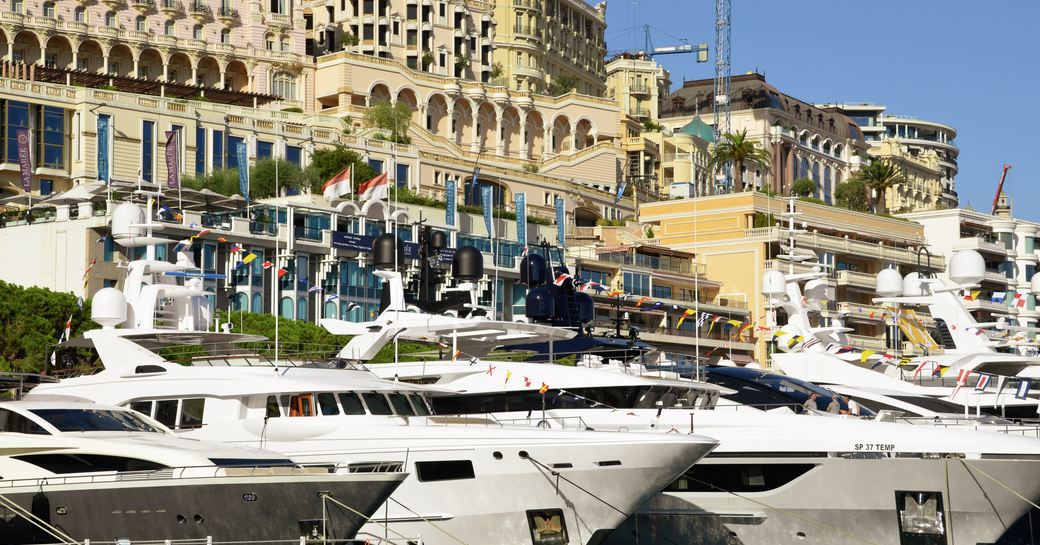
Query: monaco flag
[
  {"x": 338, "y": 185},
  {"x": 376, "y": 188}
]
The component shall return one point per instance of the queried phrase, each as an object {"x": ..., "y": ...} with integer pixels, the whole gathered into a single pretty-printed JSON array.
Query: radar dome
[
  {"x": 125, "y": 215},
  {"x": 967, "y": 267},
  {"x": 912, "y": 285},
  {"x": 468, "y": 264},
  {"x": 889, "y": 283},
  {"x": 108, "y": 307},
  {"x": 1034, "y": 283},
  {"x": 774, "y": 283},
  {"x": 384, "y": 248},
  {"x": 586, "y": 307},
  {"x": 540, "y": 304},
  {"x": 532, "y": 270}
]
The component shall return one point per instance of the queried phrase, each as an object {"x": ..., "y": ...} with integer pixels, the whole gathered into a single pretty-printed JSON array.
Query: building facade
[
  {"x": 805, "y": 141},
  {"x": 924, "y": 150}
]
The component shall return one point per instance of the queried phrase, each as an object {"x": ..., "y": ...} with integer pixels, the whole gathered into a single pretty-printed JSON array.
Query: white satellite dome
[
  {"x": 125, "y": 215},
  {"x": 1034, "y": 283},
  {"x": 774, "y": 283},
  {"x": 967, "y": 267},
  {"x": 889, "y": 283},
  {"x": 912, "y": 285},
  {"x": 108, "y": 307}
]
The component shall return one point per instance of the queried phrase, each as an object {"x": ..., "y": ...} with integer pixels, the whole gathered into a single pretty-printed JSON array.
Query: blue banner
[
  {"x": 488, "y": 204},
  {"x": 103, "y": 174},
  {"x": 561, "y": 219},
  {"x": 620, "y": 191},
  {"x": 449, "y": 197},
  {"x": 521, "y": 219},
  {"x": 243, "y": 170},
  {"x": 363, "y": 244}
]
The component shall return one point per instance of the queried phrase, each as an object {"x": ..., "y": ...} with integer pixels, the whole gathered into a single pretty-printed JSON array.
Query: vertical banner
[
  {"x": 24, "y": 159},
  {"x": 243, "y": 169},
  {"x": 173, "y": 159},
  {"x": 471, "y": 193},
  {"x": 561, "y": 218},
  {"x": 620, "y": 191},
  {"x": 103, "y": 174},
  {"x": 521, "y": 219},
  {"x": 488, "y": 205},
  {"x": 452, "y": 205}
]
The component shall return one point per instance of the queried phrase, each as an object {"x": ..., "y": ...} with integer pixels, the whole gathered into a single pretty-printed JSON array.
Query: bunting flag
[
  {"x": 687, "y": 312},
  {"x": 102, "y": 239},
  {"x": 67, "y": 333},
  {"x": 491, "y": 369},
  {"x": 282, "y": 272},
  {"x": 560, "y": 279},
  {"x": 1023, "y": 388},
  {"x": 221, "y": 239},
  {"x": 1019, "y": 300},
  {"x": 527, "y": 382},
  {"x": 641, "y": 300},
  {"x": 267, "y": 265},
  {"x": 700, "y": 319},
  {"x": 509, "y": 375},
  {"x": 983, "y": 382},
  {"x": 865, "y": 355},
  {"x": 998, "y": 297},
  {"x": 332, "y": 297},
  {"x": 456, "y": 355},
  {"x": 919, "y": 368},
  {"x": 248, "y": 258},
  {"x": 543, "y": 389},
  {"x": 235, "y": 248},
  {"x": 615, "y": 293},
  {"x": 314, "y": 289},
  {"x": 962, "y": 379}
]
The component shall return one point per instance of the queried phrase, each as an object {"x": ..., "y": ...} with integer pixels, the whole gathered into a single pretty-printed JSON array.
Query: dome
[
  {"x": 699, "y": 129},
  {"x": 967, "y": 267},
  {"x": 889, "y": 283}
]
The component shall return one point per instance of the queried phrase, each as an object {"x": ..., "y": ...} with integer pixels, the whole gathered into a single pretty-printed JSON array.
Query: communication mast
[{"x": 721, "y": 106}]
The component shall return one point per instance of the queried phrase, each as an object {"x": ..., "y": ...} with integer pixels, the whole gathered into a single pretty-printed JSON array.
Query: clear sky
[{"x": 967, "y": 63}]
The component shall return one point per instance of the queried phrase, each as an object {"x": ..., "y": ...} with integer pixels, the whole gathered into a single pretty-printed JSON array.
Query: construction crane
[
  {"x": 1000, "y": 187},
  {"x": 721, "y": 104},
  {"x": 649, "y": 51}
]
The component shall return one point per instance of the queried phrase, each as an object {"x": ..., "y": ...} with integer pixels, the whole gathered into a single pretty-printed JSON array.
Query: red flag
[
  {"x": 281, "y": 272},
  {"x": 376, "y": 188},
  {"x": 268, "y": 265},
  {"x": 543, "y": 389},
  {"x": 338, "y": 185}
]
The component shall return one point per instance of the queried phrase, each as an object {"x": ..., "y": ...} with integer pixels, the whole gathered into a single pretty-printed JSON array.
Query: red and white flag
[
  {"x": 376, "y": 188},
  {"x": 67, "y": 335},
  {"x": 1020, "y": 300},
  {"x": 962, "y": 379},
  {"x": 338, "y": 185}
]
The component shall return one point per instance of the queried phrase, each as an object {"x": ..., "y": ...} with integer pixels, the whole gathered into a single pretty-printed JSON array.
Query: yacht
[
  {"x": 73, "y": 471},
  {"x": 470, "y": 479}
]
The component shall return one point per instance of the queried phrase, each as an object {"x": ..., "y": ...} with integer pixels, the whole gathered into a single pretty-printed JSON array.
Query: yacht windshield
[{"x": 94, "y": 420}]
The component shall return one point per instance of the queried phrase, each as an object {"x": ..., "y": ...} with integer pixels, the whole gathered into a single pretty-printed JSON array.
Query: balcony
[
  {"x": 995, "y": 276},
  {"x": 856, "y": 279},
  {"x": 113, "y": 4},
  {"x": 980, "y": 244},
  {"x": 171, "y": 8},
  {"x": 198, "y": 11},
  {"x": 985, "y": 305},
  {"x": 861, "y": 312},
  {"x": 848, "y": 246},
  {"x": 640, "y": 88},
  {"x": 142, "y": 6},
  {"x": 526, "y": 31},
  {"x": 227, "y": 16},
  {"x": 278, "y": 19}
]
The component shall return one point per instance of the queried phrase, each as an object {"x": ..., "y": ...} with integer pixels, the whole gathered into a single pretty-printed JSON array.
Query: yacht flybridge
[
  {"x": 471, "y": 480},
  {"x": 73, "y": 471}
]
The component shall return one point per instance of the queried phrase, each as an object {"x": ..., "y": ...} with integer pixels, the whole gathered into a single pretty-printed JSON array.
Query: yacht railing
[
  {"x": 1022, "y": 428},
  {"x": 361, "y": 539}
]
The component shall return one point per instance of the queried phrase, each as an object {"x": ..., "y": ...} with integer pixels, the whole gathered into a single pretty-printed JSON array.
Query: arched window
[
  {"x": 225, "y": 36},
  {"x": 110, "y": 19},
  {"x": 286, "y": 308},
  {"x": 269, "y": 42},
  {"x": 284, "y": 85},
  {"x": 301, "y": 309},
  {"x": 827, "y": 184},
  {"x": 139, "y": 23},
  {"x": 197, "y": 32},
  {"x": 48, "y": 9},
  {"x": 258, "y": 303},
  {"x": 81, "y": 14},
  {"x": 240, "y": 302},
  {"x": 330, "y": 310},
  {"x": 168, "y": 29},
  {"x": 804, "y": 169},
  {"x": 285, "y": 44}
]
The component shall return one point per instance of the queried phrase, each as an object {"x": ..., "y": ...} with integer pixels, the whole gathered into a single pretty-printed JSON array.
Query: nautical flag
[
  {"x": 700, "y": 319},
  {"x": 282, "y": 272},
  {"x": 972, "y": 295},
  {"x": 102, "y": 239},
  {"x": 962, "y": 379},
  {"x": 1023, "y": 388},
  {"x": 543, "y": 389},
  {"x": 1019, "y": 300},
  {"x": 509, "y": 375},
  {"x": 332, "y": 297},
  {"x": 491, "y": 369},
  {"x": 998, "y": 296},
  {"x": 376, "y": 188},
  {"x": 920, "y": 367},
  {"x": 1002, "y": 381},
  {"x": 983, "y": 383},
  {"x": 641, "y": 300},
  {"x": 248, "y": 258},
  {"x": 267, "y": 265},
  {"x": 657, "y": 305},
  {"x": 221, "y": 239},
  {"x": 338, "y": 185},
  {"x": 527, "y": 382},
  {"x": 235, "y": 248},
  {"x": 560, "y": 279},
  {"x": 865, "y": 355},
  {"x": 456, "y": 355},
  {"x": 314, "y": 289},
  {"x": 687, "y": 312},
  {"x": 67, "y": 334}
]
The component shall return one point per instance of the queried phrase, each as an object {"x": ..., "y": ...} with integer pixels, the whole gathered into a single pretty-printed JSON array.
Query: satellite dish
[
  {"x": 889, "y": 283},
  {"x": 967, "y": 267}
]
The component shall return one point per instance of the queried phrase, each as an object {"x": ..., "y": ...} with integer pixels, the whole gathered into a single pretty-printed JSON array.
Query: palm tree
[
  {"x": 878, "y": 176},
  {"x": 737, "y": 149}
]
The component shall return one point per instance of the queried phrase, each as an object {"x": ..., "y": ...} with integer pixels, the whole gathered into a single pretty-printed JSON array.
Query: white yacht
[
  {"x": 470, "y": 480},
  {"x": 73, "y": 471}
]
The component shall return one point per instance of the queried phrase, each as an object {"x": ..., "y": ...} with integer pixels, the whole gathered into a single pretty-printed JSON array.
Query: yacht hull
[
  {"x": 843, "y": 501},
  {"x": 239, "y": 509}
]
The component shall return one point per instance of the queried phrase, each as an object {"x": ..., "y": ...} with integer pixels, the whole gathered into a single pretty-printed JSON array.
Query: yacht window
[
  {"x": 273, "y": 411},
  {"x": 401, "y": 405},
  {"x": 301, "y": 405},
  {"x": 166, "y": 412},
  {"x": 327, "y": 404},
  {"x": 738, "y": 477},
  {"x": 419, "y": 405},
  {"x": 377, "y": 403},
  {"x": 445, "y": 470},
  {"x": 920, "y": 517},
  {"x": 94, "y": 420},
  {"x": 88, "y": 463},
  {"x": 548, "y": 527},
  {"x": 351, "y": 403},
  {"x": 143, "y": 407},
  {"x": 13, "y": 422},
  {"x": 191, "y": 412}
]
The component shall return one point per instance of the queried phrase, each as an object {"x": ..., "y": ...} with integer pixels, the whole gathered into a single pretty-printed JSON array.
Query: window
[
  {"x": 218, "y": 149},
  {"x": 147, "y": 150},
  {"x": 81, "y": 15},
  {"x": 196, "y": 32},
  {"x": 294, "y": 154},
  {"x": 88, "y": 463},
  {"x": 637, "y": 284},
  {"x": 94, "y": 420},
  {"x": 663, "y": 291},
  {"x": 284, "y": 85},
  {"x": 301, "y": 405},
  {"x": 419, "y": 405},
  {"x": 377, "y": 404},
  {"x": 46, "y": 187},
  {"x": 401, "y": 406},
  {"x": 351, "y": 403},
  {"x": 17, "y": 117},
  {"x": 272, "y": 409},
  {"x": 447, "y": 470},
  {"x": 110, "y": 19},
  {"x": 52, "y": 141},
  {"x": 139, "y": 23},
  {"x": 17, "y": 6},
  {"x": 231, "y": 159},
  {"x": 285, "y": 44},
  {"x": 548, "y": 527},
  {"x": 269, "y": 42},
  {"x": 191, "y": 413},
  {"x": 327, "y": 404},
  {"x": 48, "y": 9},
  {"x": 200, "y": 150},
  {"x": 264, "y": 149},
  {"x": 168, "y": 28},
  {"x": 166, "y": 412},
  {"x": 225, "y": 36},
  {"x": 13, "y": 422}
]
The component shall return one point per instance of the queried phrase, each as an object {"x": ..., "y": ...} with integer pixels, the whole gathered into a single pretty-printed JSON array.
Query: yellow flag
[
  {"x": 249, "y": 258},
  {"x": 866, "y": 354}
]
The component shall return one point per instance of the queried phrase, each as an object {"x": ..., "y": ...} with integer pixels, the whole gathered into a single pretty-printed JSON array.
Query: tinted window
[
  {"x": 327, "y": 404},
  {"x": 87, "y": 463},
  {"x": 166, "y": 412},
  {"x": 448, "y": 470},
  {"x": 401, "y": 405},
  {"x": 16, "y": 423},
  {"x": 272, "y": 407},
  {"x": 738, "y": 477},
  {"x": 143, "y": 407},
  {"x": 351, "y": 403},
  {"x": 191, "y": 412},
  {"x": 93, "y": 420},
  {"x": 377, "y": 404},
  {"x": 419, "y": 405},
  {"x": 932, "y": 404}
]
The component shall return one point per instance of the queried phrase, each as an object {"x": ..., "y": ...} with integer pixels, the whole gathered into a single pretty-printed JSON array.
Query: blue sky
[{"x": 966, "y": 63}]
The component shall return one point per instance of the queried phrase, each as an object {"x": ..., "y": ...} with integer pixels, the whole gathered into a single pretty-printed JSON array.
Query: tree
[
  {"x": 737, "y": 149},
  {"x": 392, "y": 117},
  {"x": 427, "y": 59},
  {"x": 496, "y": 70},
  {"x": 31, "y": 322},
  {"x": 878, "y": 176},
  {"x": 803, "y": 187},
  {"x": 223, "y": 181},
  {"x": 850, "y": 195},
  {"x": 349, "y": 40},
  {"x": 562, "y": 85},
  {"x": 262, "y": 177},
  {"x": 328, "y": 162}
]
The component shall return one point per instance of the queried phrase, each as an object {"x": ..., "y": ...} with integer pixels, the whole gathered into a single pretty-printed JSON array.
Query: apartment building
[
  {"x": 736, "y": 238},
  {"x": 1008, "y": 246},
  {"x": 924, "y": 150},
  {"x": 805, "y": 141},
  {"x": 550, "y": 46}
]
